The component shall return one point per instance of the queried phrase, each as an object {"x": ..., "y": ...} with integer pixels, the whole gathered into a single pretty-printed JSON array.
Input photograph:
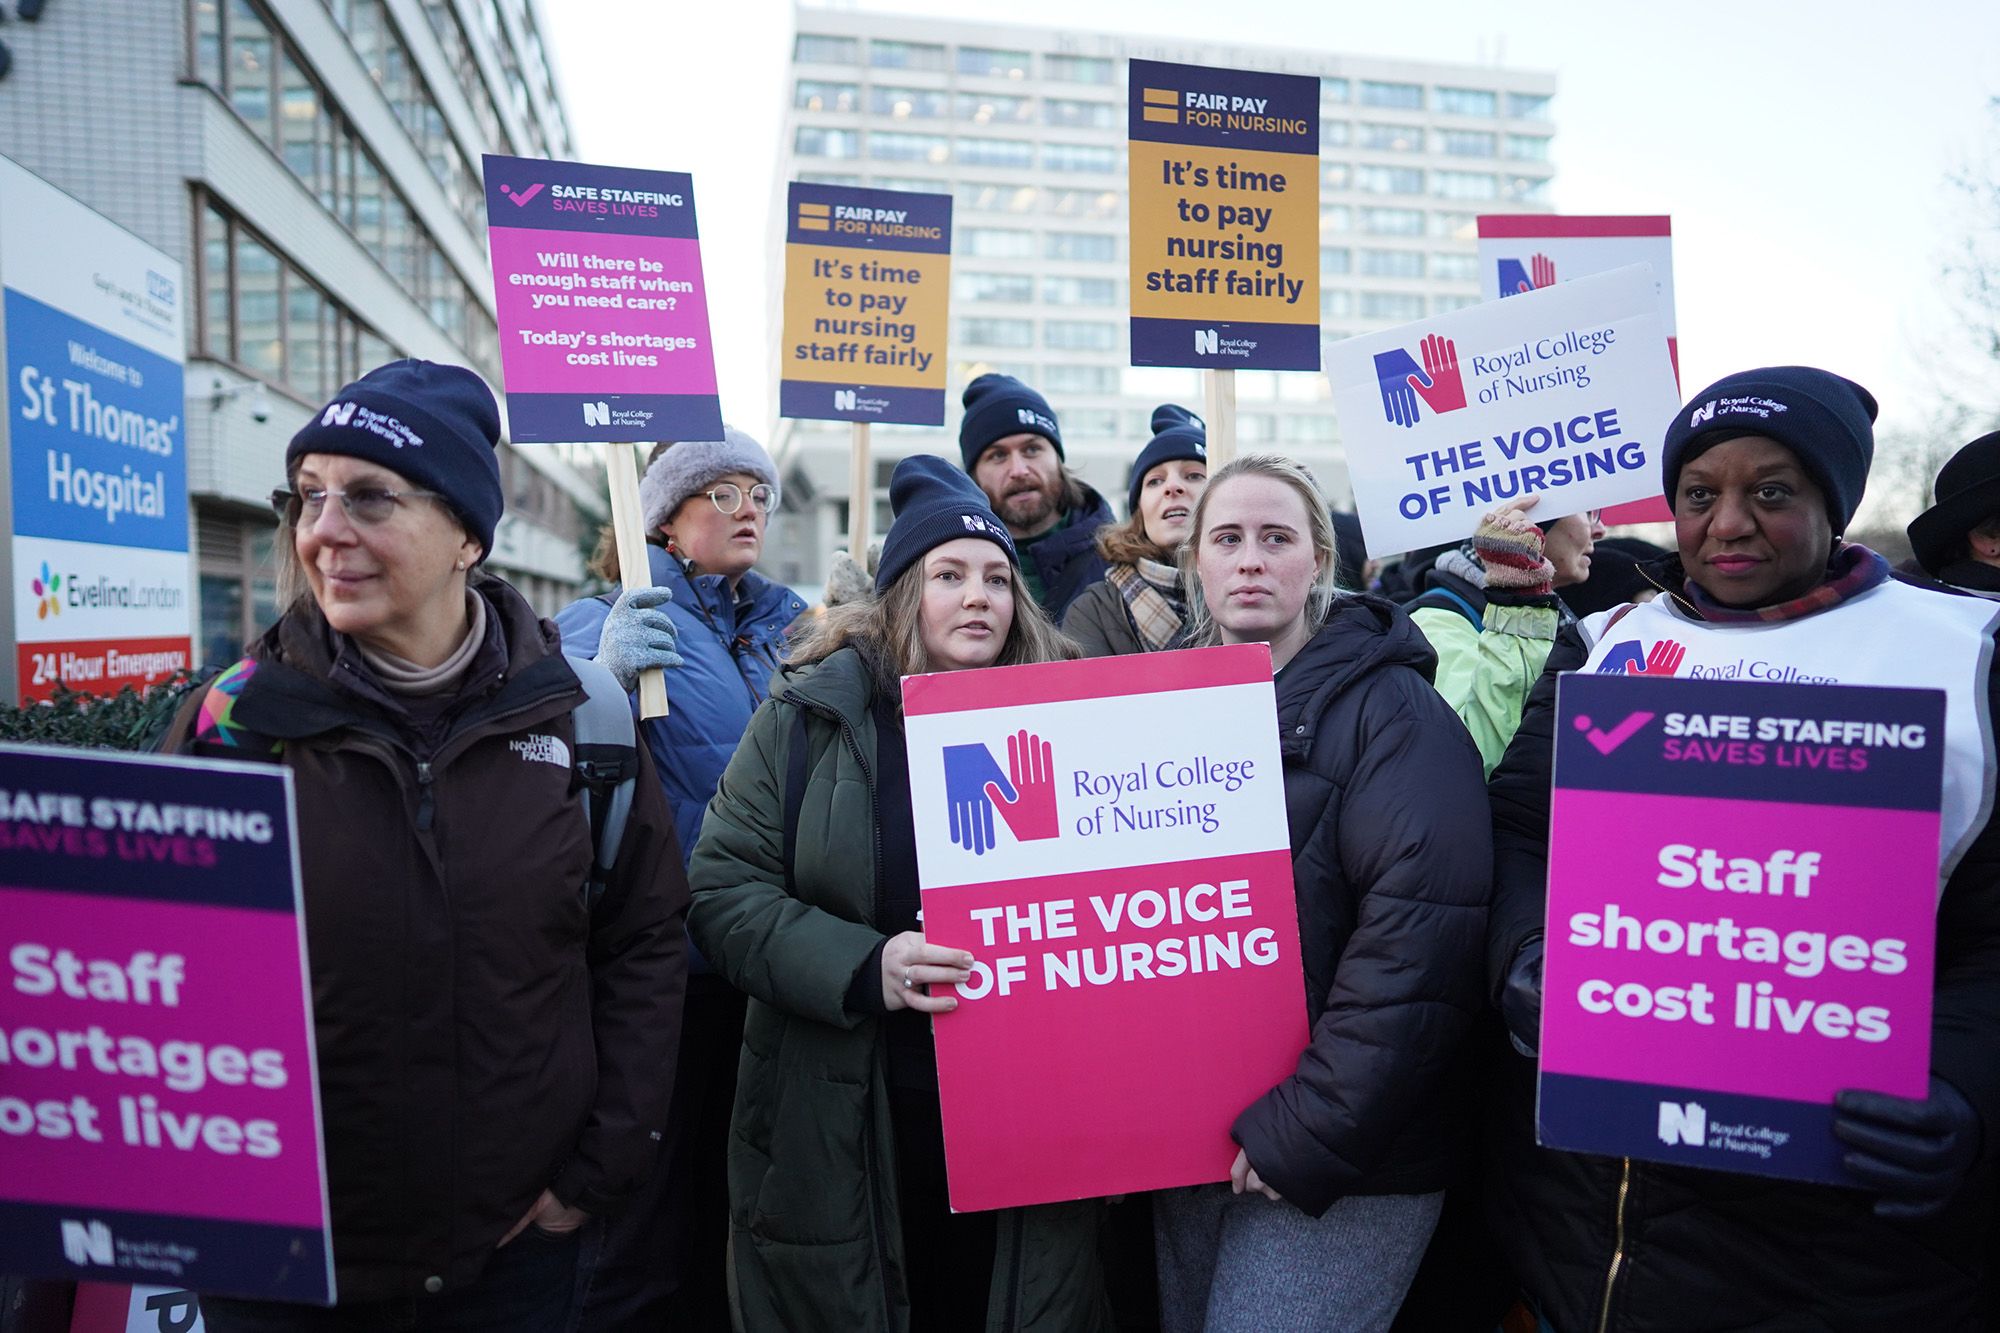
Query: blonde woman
[
  {"x": 1342, "y": 1166},
  {"x": 807, "y": 900}
]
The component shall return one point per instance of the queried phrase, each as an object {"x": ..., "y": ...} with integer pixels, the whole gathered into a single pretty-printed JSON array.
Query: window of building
[
  {"x": 1468, "y": 143},
  {"x": 1091, "y": 204},
  {"x": 1528, "y": 147},
  {"x": 1335, "y": 133},
  {"x": 1079, "y": 157},
  {"x": 1085, "y": 246},
  {"x": 885, "y": 54},
  {"x": 1079, "y": 291},
  {"x": 814, "y": 48},
  {"x": 1336, "y": 175},
  {"x": 1408, "y": 96},
  {"x": 1393, "y": 221},
  {"x": 1090, "y": 423},
  {"x": 1071, "y": 114},
  {"x": 1335, "y": 260},
  {"x": 1528, "y": 106},
  {"x": 1072, "y": 377},
  {"x": 914, "y": 184},
  {"x": 249, "y": 66},
  {"x": 1307, "y": 428},
  {"x": 1391, "y": 138},
  {"x": 988, "y": 62},
  {"x": 1335, "y": 303},
  {"x": 976, "y": 332},
  {"x": 995, "y": 109},
  {"x": 995, "y": 152},
  {"x": 1335, "y": 219},
  {"x": 1388, "y": 180},
  {"x": 1444, "y": 305},
  {"x": 829, "y": 178},
  {"x": 1011, "y": 287},
  {"x": 1333, "y": 90},
  {"x": 1468, "y": 102},
  {"x": 1464, "y": 185},
  {"x": 1079, "y": 69},
  {"x": 1454, "y": 267},
  {"x": 988, "y": 197},
  {"x": 889, "y": 146},
  {"x": 997, "y": 243},
  {"x": 818, "y": 141},
  {"x": 1392, "y": 263},
  {"x": 909, "y": 103},
  {"x": 821, "y": 95},
  {"x": 238, "y": 583},
  {"x": 1392, "y": 305},
  {"x": 1080, "y": 335},
  {"x": 1454, "y": 226},
  {"x": 1528, "y": 189}
]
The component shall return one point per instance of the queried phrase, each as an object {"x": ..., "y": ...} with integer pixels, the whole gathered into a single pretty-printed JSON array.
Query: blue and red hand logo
[
  {"x": 1515, "y": 279},
  {"x": 1437, "y": 382},
  {"x": 1632, "y": 658},
  {"x": 1025, "y": 793}
]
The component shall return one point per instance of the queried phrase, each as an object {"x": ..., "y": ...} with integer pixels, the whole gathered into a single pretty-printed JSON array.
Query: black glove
[
  {"x": 1521, "y": 998},
  {"x": 1916, "y": 1153}
]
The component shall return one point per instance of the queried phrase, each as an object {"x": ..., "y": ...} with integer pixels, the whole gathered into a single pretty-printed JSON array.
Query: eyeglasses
[
  {"x": 727, "y": 497},
  {"x": 363, "y": 504}
]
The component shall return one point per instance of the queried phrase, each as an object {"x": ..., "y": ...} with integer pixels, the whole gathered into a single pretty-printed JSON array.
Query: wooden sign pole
[
  {"x": 861, "y": 498},
  {"x": 628, "y": 527},
  {"x": 1219, "y": 395}
]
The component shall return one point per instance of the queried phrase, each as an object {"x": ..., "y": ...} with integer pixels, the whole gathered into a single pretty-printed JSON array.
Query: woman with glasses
[
  {"x": 494, "y": 1036},
  {"x": 717, "y": 626}
]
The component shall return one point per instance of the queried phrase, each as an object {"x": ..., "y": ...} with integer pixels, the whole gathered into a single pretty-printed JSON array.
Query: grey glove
[{"x": 638, "y": 635}]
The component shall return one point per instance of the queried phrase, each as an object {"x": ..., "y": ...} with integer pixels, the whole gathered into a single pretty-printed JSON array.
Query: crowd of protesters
[{"x": 687, "y": 1080}]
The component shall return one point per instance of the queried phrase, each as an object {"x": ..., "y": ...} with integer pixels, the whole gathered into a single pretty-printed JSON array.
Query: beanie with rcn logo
[
  {"x": 436, "y": 426},
  {"x": 934, "y": 503},
  {"x": 997, "y": 406},
  {"x": 1177, "y": 434},
  {"x": 1826, "y": 421}
]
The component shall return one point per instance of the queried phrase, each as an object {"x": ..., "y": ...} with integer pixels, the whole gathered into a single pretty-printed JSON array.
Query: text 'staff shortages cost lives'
[
  {"x": 867, "y": 301},
  {"x": 1741, "y": 916},
  {"x": 159, "y": 1110},
  {"x": 603, "y": 313},
  {"x": 1224, "y": 176}
]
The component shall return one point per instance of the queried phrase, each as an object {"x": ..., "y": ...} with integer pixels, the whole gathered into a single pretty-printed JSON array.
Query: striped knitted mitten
[{"x": 1511, "y": 549}]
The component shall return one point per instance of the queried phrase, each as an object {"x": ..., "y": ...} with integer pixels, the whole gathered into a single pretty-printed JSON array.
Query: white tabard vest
[{"x": 1893, "y": 634}]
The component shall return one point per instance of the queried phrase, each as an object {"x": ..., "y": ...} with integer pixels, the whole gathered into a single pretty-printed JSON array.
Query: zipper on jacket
[
  {"x": 426, "y": 804},
  {"x": 1617, "y": 1247}
]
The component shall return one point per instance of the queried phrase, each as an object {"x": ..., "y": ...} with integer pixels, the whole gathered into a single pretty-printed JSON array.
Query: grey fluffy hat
[{"x": 690, "y": 467}]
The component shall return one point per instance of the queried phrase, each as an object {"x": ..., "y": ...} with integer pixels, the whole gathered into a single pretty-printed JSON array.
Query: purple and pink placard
[
  {"x": 1741, "y": 916},
  {"x": 602, "y": 310},
  {"x": 159, "y": 1109},
  {"x": 1126, "y": 891}
]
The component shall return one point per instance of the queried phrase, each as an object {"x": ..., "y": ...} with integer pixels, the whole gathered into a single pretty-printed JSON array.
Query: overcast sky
[{"x": 1800, "y": 148}]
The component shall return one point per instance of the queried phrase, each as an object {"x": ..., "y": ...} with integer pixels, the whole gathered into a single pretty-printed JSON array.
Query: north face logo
[
  {"x": 337, "y": 414},
  {"x": 537, "y": 749}
]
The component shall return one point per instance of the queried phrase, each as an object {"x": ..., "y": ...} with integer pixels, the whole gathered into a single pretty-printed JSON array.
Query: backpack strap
[
  {"x": 606, "y": 765},
  {"x": 795, "y": 790},
  {"x": 1447, "y": 600}
]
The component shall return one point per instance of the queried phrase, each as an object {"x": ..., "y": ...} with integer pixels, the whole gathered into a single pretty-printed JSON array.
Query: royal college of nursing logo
[
  {"x": 1437, "y": 383},
  {"x": 1025, "y": 793}
]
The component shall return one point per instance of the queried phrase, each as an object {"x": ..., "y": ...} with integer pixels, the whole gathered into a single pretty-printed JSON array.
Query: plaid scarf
[
  {"x": 1152, "y": 593},
  {"x": 1853, "y": 570}
]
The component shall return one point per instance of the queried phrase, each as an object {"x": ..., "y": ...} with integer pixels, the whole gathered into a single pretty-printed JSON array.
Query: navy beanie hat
[
  {"x": 997, "y": 406},
  {"x": 933, "y": 503},
  {"x": 437, "y": 425},
  {"x": 1828, "y": 421},
  {"x": 1177, "y": 433}
]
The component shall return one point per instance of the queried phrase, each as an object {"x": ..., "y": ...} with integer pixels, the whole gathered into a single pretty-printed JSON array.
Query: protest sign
[
  {"x": 1522, "y": 252},
  {"x": 1108, "y": 840},
  {"x": 103, "y": 1307},
  {"x": 1224, "y": 178},
  {"x": 867, "y": 287},
  {"x": 602, "y": 311},
  {"x": 1564, "y": 393},
  {"x": 1742, "y": 908},
  {"x": 159, "y": 1108}
]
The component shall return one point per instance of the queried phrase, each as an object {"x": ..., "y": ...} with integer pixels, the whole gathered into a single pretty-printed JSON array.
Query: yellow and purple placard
[
  {"x": 1224, "y": 172},
  {"x": 602, "y": 309},
  {"x": 867, "y": 302},
  {"x": 1742, "y": 907},
  {"x": 159, "y": 1108}
]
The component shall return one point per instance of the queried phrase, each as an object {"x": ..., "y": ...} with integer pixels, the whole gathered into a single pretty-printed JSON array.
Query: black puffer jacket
[
  {"x": 1391, "y": 865},
  {"x": 1065, "y": 560},
  {"x": 1601, "y": 1243}
]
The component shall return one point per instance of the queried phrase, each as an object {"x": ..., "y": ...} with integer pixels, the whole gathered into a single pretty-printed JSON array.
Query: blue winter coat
[{"x": 731, "y": 648}]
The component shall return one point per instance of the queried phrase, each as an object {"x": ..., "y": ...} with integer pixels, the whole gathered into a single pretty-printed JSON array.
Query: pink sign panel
[
  {"x": 1741, "y": 916},
  {"x": 1126, "y": 891},
  {"x": 159, "y": 1112}
]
